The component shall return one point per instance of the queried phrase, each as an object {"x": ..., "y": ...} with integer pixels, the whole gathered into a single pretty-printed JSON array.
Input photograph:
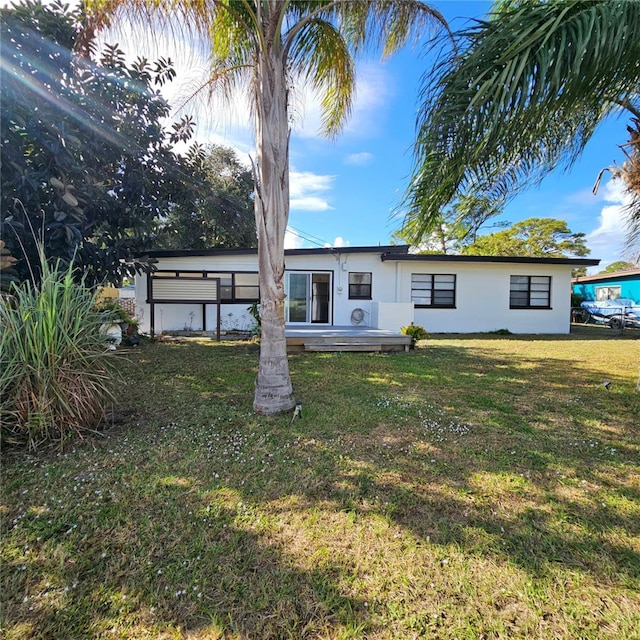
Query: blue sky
[{"x": 343, "y": 192}]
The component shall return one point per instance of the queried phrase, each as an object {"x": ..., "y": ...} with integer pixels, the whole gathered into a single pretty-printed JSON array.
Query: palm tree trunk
[{"x": 273, "y": 392}]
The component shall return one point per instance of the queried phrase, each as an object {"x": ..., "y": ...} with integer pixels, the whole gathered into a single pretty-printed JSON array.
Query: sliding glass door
[
  {"x": 297, "y": 300},
  {"x": 308, "y": 297}
]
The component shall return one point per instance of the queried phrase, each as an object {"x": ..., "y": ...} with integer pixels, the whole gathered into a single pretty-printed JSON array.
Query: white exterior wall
[
  {"x": 177, "y": 317},
  {"x": 482, "y": 298},
  {"x": 382, "y": 281},
  {"x": 391, "y": 316},
  {"x": 482, "y": 294}
]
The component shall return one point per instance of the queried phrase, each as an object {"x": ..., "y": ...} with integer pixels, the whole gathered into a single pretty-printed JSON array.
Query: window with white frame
[
  {"x": 530, "y": 292},
  {"x": 433, "y": 290},
  {"x": 359, "y": 285},
  {"x": 608, "y": 293}
]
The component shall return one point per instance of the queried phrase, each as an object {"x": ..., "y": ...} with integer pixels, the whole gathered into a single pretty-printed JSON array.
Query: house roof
[
  {"x": 387, "y": 252},
  {"x": 185, "y": 253},
  {"x": 420, "y": 257},
  {"x": 615, "y": 275}
]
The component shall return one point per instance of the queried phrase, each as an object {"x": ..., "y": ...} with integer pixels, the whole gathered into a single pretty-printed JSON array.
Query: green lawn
[{"x": 480, "y": 487}]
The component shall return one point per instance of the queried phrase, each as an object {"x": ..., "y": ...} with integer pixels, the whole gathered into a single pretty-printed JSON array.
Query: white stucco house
[{"x": 384, "y": 287}]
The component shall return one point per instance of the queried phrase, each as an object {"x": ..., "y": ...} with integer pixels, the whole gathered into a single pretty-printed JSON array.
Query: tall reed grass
[{"x": 56, "y": 374}]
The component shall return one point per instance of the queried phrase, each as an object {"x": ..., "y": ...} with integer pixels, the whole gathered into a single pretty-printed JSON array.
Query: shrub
[
  {"x": 55, "y": 372},
  {"x": 415, "y": 331},
  {"x": 112, "y": 312},
  {"x": 254, "y": 312}
]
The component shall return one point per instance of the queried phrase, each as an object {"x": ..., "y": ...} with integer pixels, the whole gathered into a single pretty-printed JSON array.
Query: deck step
[{"x": 342, "y": 346}]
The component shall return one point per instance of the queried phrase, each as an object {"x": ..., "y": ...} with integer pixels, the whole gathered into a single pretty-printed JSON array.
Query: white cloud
[
  {"x": 292, "y": 240},
  {"x": 361, "y": 159},
  {"x": 338, "y": 242},
  {"x": 306, "y": 113},
  {"x": 373, "y": 90},
  {"x": 307, "y": 189},
  {"x": 309, "y": 203},
  {"x": 304, "y": 181},
  {"x": 608, "y": 239}
]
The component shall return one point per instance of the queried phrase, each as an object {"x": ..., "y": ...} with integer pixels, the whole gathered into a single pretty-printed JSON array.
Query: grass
[{"x": 480, "y": 487}]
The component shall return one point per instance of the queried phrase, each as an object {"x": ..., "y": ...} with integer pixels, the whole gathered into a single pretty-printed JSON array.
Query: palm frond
[
  {"x": 629, "y": 173},
  {"x": 519, "y": 95},
  {"x": 323, "y": 39},
  {"x": 320, "y": 38},
  {"x": 385, "y": 25},
  {"x": 319, "y": 55}
]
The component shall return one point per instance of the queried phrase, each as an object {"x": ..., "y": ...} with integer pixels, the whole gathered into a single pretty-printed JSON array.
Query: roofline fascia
[
  {"x": 192, "y": 253},
  {"x": 615, "y": 275},
  {"x": 417, "y": 257}
]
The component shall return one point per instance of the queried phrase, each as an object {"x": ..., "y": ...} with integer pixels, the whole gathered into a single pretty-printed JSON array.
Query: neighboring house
[
  {"x": 380, "y": 287},
  {"x": 609, "y": 286}
]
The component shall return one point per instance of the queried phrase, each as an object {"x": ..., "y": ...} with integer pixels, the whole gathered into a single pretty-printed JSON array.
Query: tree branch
[
  {"x": 303, "y": 23},
  {"x": 626, "y": 104}
]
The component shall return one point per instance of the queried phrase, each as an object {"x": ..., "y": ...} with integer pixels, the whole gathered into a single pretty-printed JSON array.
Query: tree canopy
[
  {"x": 87, "y": 166},
  {"x": 618, "y": 265},
  {"x": 535, "y": 237},
  {"x": 456, "y": 227},
  {"x": 216, "y": 207},
  {"x": 520, "y": 94}
]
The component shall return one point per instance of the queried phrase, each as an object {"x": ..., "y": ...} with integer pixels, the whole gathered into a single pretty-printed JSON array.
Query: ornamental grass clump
[{"x": 56, "y": 373}]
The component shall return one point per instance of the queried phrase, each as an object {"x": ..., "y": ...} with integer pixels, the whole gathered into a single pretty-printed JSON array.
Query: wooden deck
[{"x": 335, "y": 338}]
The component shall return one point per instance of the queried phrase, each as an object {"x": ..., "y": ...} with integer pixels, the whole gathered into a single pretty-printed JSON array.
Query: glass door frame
[{"x": 309, "y": 296}]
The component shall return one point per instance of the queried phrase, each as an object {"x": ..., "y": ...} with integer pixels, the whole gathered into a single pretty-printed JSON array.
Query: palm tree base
[{"x": 273, "y": 399}]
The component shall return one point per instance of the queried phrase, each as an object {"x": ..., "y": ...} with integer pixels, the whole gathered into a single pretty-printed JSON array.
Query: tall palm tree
[
  {"x": 269, "y": 47},
  {"x": 520, "y": 94}
]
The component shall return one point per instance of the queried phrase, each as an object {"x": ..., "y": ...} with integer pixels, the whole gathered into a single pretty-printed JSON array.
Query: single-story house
[
  {"x": 384, "y": 287},
  {"x": 609, "y": 286}
]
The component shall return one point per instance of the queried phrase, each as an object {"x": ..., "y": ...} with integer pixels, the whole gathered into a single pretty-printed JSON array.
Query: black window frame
[
  {"x": 220, "y": 275},
  {"x": 360, "y": 285},
  {"x": 435, "y": 292},
  {"x": 529, "y": 291},
  {"x": 235, "y": 287}
]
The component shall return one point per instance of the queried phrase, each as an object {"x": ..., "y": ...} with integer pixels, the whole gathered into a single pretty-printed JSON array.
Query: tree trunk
[{"x": 273, "y": 392}]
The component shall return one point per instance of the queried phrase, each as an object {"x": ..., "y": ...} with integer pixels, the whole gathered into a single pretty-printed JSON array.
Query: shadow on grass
[
  {"x": 102, "y": 581},
  {"x": 547, "y": 421},
  {"x": 501, "y": 458}
]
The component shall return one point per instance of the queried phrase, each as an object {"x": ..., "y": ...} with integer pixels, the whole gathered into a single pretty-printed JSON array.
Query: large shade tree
[
  {"x": 87, "y": 165},
  {"x": 522, "y": 93},
  {"x": 535, "y": 237},
  {"x": 271, "y": 48},
  {"x": 618, "y": 265},
  {"x": 456, "y": 227},
  {"x": 215, "y": 206}
]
